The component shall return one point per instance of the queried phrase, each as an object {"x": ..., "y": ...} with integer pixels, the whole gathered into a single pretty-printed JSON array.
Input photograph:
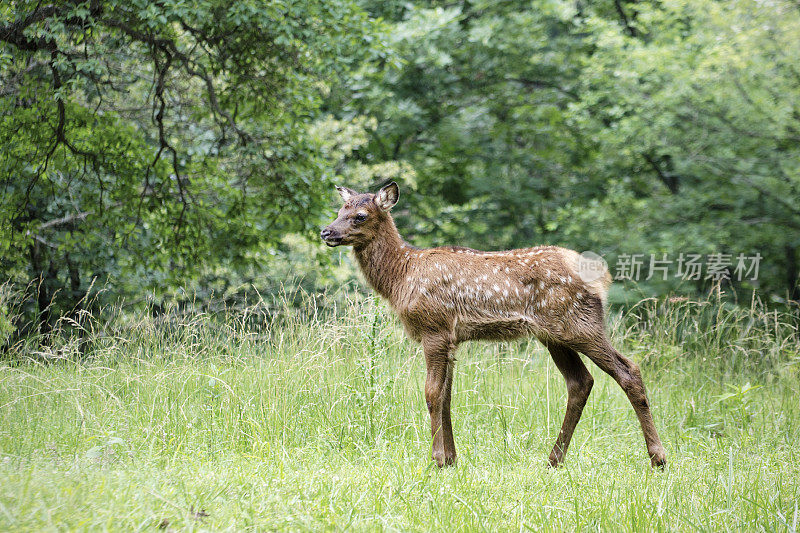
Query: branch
[
  {"x": 60, "y": 133},
  {"x": 625, "y": 20},
  {"x": 14, "y": 33},
  {"x": 670, "y": 180},
  {"x": 163, "y": 44},
  {"x": 65, "y": 220},
  {"x": 244, "y": 136},
  {"x": 40, "y": 239},
  {"x": 169, "y": 47},
  {"x": 11, "y": 88}
]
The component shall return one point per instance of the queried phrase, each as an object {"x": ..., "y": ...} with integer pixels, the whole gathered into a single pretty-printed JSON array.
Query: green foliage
[
  {"x": 145, "y": 142},
  {"x": 6, "y": 326},
  {"x": 622, "y": 127},
  {"x": 182, "y": 147},
  {"x": 699, "y": 123}
]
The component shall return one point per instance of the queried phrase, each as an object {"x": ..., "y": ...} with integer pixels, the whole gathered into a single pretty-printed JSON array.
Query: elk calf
[{"x": 445, "y": 296}]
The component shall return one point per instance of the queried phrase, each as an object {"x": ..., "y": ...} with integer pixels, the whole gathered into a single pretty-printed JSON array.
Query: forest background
[{"x": 154, "y": 152}]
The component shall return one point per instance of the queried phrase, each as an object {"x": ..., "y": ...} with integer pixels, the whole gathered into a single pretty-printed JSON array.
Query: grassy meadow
[{"x": 289, "y": 419}]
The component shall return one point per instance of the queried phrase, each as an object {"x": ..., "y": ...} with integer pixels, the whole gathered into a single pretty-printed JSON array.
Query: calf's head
[{"x": 361, "y": 217}]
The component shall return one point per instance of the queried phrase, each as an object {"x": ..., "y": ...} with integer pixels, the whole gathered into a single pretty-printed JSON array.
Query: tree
[
  {"x": 477, "y": 110},
  {"x": 143, "y": 140},
  {"x": 622, "y": 127},
  {"x": 695, "y": 116}
]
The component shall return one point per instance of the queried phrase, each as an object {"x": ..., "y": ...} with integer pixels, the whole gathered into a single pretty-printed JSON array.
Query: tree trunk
[
  {"x": 41, "y": 279},
  {"x": 77, "y": 302},
  {"x": 792, "y": 274}
]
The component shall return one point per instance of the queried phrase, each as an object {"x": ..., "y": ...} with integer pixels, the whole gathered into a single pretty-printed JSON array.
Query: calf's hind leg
[
  {"x": 579, "y": 385},
  {"x": 627, "y": 374}
]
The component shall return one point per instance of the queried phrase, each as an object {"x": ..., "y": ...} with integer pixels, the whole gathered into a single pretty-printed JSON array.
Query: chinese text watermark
[{"x": 714, "y": 267}]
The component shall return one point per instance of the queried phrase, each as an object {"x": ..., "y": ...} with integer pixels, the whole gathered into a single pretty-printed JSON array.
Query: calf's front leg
[{"x": 439, "y": 362}]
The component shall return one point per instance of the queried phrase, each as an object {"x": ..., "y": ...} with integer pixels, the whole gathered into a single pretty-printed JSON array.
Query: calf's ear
[
  {"x": 346, "y": 193},
  {"x": 387, "y": 196}
]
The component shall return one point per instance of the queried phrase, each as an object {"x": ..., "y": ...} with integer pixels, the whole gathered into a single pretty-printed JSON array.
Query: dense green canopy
[
  {"x": 625, "y": 128},
  {"x": 147, "y": 144},
  {"x": 143, "y": 141}
]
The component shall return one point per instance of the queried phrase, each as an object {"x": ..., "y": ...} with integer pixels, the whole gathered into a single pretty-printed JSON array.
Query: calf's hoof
[
  {"x": 658, "y": 459},
  {"x": 443, "y": 459},
  {"x": 555, "y": 460}
]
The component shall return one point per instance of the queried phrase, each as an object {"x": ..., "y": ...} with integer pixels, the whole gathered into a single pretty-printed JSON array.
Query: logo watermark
[{"x": 591, "y": 267}]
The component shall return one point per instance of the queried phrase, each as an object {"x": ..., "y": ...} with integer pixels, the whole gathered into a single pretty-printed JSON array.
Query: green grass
[{"x": 319, "y": 423}]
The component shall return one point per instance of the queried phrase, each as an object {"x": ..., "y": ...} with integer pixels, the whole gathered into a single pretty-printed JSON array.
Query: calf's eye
[{"x": 361, "y": 217}]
